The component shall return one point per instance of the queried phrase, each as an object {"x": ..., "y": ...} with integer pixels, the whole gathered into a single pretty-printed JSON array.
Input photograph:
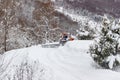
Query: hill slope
[
  {"x": 99, "y": 7},
  {"x": 69, "y": 62}
]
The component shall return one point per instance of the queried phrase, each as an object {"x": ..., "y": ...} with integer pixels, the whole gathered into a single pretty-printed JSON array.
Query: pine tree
[{"x": 105, "y": 50}]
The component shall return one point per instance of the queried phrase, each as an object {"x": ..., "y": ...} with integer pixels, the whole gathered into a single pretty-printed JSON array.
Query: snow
[
  {"x": 69, "y": 62},
  {"x": 86, "y": 33},
  {"x": 82, "y": 20},
  {"x": 111, "y": 59},
  {"x": 74, "y": 17},
  {"x": 53, "y": 0}
]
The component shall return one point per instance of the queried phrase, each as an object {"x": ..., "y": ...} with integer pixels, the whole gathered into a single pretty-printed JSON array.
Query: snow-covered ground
[{"x": 69, "y": 62}]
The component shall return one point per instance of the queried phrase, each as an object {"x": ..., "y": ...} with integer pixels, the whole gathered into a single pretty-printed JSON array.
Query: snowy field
[{"x": 69, "y": 62}]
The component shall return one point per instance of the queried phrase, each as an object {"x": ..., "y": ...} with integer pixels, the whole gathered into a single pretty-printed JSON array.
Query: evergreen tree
[{"x": 105, "y": 50}]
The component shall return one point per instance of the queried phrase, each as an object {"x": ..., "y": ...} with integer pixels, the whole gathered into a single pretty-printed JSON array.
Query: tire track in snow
[{"x": 59, "y": 61}]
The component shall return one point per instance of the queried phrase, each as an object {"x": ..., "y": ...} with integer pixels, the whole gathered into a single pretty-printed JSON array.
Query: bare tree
[{"x": 26, "y": 70}]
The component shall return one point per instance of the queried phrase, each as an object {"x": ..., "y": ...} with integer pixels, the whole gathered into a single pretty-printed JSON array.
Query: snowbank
[{"x": 69, "y": 62}]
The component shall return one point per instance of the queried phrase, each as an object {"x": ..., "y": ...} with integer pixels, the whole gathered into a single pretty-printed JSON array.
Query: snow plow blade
[{"x": 54, "y": 45}]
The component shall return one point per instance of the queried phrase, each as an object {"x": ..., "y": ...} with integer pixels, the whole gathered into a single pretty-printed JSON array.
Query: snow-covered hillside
[
  {"x": 69, "y": 62},
  {"x": 99, "y": 7}
]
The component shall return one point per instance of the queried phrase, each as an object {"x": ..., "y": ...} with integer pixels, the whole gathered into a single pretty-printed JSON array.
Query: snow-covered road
[{"x": 69, "y": 62}]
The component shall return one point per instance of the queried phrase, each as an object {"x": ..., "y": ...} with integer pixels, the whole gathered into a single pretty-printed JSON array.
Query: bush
[
  {"x": 26, "y": 70},
  {"x": 86, "y": 32},
  {"x": 105, "y": 50},
  {"x": 85, "y": 37}
]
